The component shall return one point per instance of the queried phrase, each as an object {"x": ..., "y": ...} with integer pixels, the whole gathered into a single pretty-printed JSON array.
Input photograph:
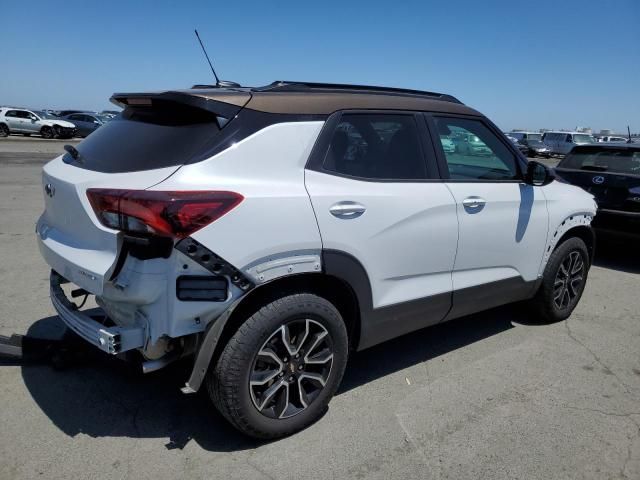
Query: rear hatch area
[
  {"x": 154, "y": 135},
  {"x": 610, "y": 173},
  {"x": 71, "y": 239},
  {"x": 611, "y": 191}
]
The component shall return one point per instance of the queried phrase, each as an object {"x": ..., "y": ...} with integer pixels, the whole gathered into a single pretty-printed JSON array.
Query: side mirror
[{"x": 538, "y": 174}]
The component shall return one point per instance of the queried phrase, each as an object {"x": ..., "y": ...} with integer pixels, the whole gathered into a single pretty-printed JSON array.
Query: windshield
[
  {"x": 534, "y": 136},
  {"x": 579, "y": 138},
  {"x": 46, "y": 115},
  {"x": 604, "y": 160}
]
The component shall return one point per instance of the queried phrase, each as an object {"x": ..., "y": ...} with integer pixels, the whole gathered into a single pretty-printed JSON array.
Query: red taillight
[{"x": 174, "y": 214}]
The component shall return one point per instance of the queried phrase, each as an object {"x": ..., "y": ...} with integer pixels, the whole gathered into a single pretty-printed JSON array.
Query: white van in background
[
  {"x": 561, "y": 143},
  {"x": 524, "y": 135},
  {"x": 611, "y": 138}
]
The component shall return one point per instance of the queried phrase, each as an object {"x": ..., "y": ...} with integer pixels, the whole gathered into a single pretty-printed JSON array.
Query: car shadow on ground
[
  {"x": 101, "y": 396},
  {"x": 617, "y": 253}
]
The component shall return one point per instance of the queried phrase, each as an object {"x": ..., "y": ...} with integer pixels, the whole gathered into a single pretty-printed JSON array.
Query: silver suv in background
[
  {"x": 530, "y": 143},
  {"x": 86, "y": 123},
  {"x": 28, "y": 122},
  {"x": 524, "y": 135},
  {"x": 561, "y": 143}
]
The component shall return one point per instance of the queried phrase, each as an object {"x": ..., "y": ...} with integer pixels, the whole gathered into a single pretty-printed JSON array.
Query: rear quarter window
[{"x": 146, "y": 138}]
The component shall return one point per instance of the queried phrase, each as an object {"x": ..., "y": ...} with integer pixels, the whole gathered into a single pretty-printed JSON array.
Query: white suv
[
  {"x": 27, "y": 122},
  {"x": 267, "y": 232}
]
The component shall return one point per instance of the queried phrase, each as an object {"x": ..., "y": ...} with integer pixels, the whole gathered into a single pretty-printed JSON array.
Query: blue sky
[{"x": 555, "y": 64}]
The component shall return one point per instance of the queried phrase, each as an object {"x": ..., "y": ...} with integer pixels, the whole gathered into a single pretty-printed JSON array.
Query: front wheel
[
  {"x": 47, "y": 132},
  {"x": 4, "y": 130},
  {"x": 279, "y": 371},
  {"x": 563, "y": 281}
]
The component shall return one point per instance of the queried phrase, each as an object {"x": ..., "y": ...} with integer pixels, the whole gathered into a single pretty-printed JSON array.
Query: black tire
[
  {"x": 228, "y": 380},
  {"x": 47, "y": 132},
  {"x": 4, "y": 130},
  {"x": 546, "y": 302}
]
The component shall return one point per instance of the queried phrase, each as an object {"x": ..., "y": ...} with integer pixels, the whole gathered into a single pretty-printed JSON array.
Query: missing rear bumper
[{"x": 109, "y": 339}]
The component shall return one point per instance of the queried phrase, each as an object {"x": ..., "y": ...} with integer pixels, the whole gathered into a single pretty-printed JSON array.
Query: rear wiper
[
  {"x": 594, "y": 168},
  {"x": 73, "y": 151}
]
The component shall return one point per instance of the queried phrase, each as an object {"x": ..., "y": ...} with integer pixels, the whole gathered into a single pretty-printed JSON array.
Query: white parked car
[
  {"x": 447, "y": 144},
  {"x": 28, "y": 122},
  {"x": 612, "y": 139},
  {"x": 268, "y": 232}
]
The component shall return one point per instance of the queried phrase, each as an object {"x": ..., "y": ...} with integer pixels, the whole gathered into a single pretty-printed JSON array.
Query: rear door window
[
  {"x": 149, "y": 137},
  {"x": 376, "y": 146}
]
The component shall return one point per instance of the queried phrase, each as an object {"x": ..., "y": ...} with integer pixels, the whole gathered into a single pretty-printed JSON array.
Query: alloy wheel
[
  {"x": 569, "y": 280},
  {"x": 291, "y": 368}
]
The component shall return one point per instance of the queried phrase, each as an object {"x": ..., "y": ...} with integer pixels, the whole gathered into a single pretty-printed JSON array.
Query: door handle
[
  {"x": 347, "y": 210},
  {"x": 474, "y": 203}
]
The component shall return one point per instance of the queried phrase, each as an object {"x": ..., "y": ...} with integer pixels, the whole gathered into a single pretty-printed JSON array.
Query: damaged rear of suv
[{"x": 269, "y": 231}]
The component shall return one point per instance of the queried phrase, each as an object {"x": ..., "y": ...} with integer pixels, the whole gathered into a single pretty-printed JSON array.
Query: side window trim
[
  {"x": 440, "y": 155},
  {"x": 321, "y": 148},
  {"x": 429, "y": 149},
  {"x": 435, "y": 141}
]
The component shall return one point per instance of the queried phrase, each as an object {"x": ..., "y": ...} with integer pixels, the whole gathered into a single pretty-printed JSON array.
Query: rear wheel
[
  {"x": 563, "y": 281},
  {"x": 4, "y": 130},
  {"x": 47, "y": 132},
  {"x": 278, "y": 372}
]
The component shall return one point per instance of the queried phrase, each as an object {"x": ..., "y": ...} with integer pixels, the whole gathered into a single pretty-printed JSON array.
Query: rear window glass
[
  {"x": 145, "y": 138},
  {"x": 602, "y": 160}
]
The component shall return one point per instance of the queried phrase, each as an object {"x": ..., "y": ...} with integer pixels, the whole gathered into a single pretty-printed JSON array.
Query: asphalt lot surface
[{"x": 494, "y": 395}]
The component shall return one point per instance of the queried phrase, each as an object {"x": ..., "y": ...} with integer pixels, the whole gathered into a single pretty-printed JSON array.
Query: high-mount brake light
[{"x": 148, "y": 212}]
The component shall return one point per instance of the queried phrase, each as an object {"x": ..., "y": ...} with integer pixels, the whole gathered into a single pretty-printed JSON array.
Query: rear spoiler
[{"x": 224, "y": 103}]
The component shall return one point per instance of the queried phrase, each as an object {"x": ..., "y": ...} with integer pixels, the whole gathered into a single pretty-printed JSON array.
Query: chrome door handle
[
  {"x": 473, "y": 202},
  {"x": 347, "y": 210}
]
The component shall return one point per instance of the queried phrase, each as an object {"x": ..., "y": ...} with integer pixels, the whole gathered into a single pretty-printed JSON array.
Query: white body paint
[{"x": 414, "y": 240}]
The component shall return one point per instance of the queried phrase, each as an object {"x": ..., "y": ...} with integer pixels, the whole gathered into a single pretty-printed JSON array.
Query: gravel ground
[{"x": 487, "y": 396}]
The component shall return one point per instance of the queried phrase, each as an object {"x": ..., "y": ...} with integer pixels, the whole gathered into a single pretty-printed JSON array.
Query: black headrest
[{"x": 339, "y": 143}]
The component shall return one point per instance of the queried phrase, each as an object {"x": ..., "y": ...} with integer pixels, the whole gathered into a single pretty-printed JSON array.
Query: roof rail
[{"x": 288, "y": 85}]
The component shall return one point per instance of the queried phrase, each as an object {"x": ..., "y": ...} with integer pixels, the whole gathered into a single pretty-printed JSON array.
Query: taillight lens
[{"x": 149, "y": 212}]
